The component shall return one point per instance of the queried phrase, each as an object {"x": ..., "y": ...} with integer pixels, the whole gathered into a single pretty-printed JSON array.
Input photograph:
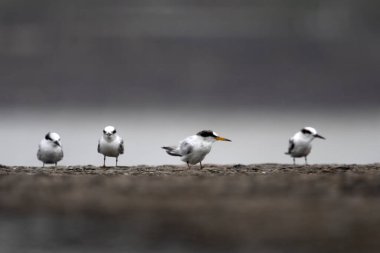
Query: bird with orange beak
[{"x": 194, "y": 149}]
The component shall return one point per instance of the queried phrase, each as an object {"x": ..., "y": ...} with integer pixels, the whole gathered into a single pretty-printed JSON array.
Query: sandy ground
[{"x": 232, "y": 208}]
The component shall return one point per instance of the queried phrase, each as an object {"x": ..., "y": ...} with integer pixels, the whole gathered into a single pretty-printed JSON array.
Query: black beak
[
  {"x": 319, "y": 136},
  {"x": 57, "y": 143}
]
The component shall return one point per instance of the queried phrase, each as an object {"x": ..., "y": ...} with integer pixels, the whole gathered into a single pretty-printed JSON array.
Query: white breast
[
  {"x": 49, "y": 153},
  {"x": 200, "y": 149},
  {"x": 110, "y": 148},
  {"x": 302, "y": 146}
]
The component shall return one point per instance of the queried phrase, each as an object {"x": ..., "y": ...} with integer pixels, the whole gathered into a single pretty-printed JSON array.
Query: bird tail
[{"x": 172, "y": 151}]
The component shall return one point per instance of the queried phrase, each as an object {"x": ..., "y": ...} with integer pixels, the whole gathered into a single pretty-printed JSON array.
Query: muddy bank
[
  {"x": 236, "y": 208},
  {"x": 208, "y": 170}
]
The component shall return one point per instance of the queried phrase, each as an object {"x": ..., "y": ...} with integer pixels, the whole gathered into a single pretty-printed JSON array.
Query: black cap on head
[
  {"x": 206, "y": 133},
  {"x": 306, "y": 131}
]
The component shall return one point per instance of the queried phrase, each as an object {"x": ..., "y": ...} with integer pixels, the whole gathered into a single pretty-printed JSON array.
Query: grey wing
[
  {"x": 39, "y": 155},
  {"x": 185, "y": 148},
  {"x": 172, "y": 151},
  {"x": 121, "y": 147},
  {"x": 291, "y": 146}
]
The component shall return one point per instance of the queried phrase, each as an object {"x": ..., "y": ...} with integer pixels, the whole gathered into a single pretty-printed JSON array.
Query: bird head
[
  {"x": 211, "y": 136},
  {"x": 109, "y": 131},
  {"x": 54, "y": 138},
  {"x": 311, "y": 133}
]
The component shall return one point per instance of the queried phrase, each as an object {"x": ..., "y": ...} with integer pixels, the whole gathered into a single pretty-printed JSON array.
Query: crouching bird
[
  {"x": 194, "y": 149},
  {"x": 50, "y": 149}
]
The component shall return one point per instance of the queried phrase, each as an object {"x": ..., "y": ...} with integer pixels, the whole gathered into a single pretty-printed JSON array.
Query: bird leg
[
  {"x": 294, "y": 161},
  {"x": 201, "y": 165},
  {"x": 43, "y": 165},
  {"x": 104, "y": 161},
  {"x": 188, "y": 165},
  {"x": 116, "y": 160},
  {"x": 306, "y": 160},
  {"x": 55, "y": 164}
]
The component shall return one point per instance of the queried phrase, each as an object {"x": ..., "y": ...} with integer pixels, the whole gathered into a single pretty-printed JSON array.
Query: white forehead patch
[
  {"x": 109, "y": 129},
  {"x": 311, "y": 129},
  {"x": 54, "y": 136}
]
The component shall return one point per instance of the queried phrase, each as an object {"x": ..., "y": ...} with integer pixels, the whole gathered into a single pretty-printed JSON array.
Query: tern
[
  {"x": 193, "y": 149},
  {"x": 300, "y": 143},
  {"x": 50, "y": 149},
  {"x": 110, "y": 144}
]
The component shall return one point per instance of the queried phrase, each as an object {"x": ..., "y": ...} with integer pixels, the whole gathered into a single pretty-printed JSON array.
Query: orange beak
[{"x": 222, "y": 139}]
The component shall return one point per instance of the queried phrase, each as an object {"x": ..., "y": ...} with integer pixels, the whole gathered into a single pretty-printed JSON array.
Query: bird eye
[
  {"x": 48, "y": 137},
  {"x": 114, "y": 131},
  {"x": 104, "y": 131}
]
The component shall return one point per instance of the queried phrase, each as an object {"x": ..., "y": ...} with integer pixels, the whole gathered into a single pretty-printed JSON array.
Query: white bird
[
  {"x": 193, "y": 149},
  {"x": 110, "y": 144},
  {"x": 300, "y": 143},
  {"x": 50, "y": 149}
]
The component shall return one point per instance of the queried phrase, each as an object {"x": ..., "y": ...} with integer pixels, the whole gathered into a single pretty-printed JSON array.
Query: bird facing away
[
  {"x": 50, "y": 149},
  {"x": 193, "y": 149},
  {"x": 110, "y": 144},
  {"x": 300, "y": 143}
]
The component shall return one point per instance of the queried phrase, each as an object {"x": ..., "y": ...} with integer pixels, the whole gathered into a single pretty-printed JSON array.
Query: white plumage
[
  {"x": 50, "y": 149},
  {"x": 194, "y": 149},
  {"x": 110, "y": 144},
  {"x": 300, "y": 143}
]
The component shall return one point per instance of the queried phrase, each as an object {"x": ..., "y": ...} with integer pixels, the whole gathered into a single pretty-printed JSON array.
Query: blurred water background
[{"x": 257, "y": 137}]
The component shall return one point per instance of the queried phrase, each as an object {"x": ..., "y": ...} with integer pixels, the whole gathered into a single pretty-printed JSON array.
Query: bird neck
[
  {"x": 208, "y": 141},
  {"x": 304, "y": 138},
  {"x": 109, "y": 138}
]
